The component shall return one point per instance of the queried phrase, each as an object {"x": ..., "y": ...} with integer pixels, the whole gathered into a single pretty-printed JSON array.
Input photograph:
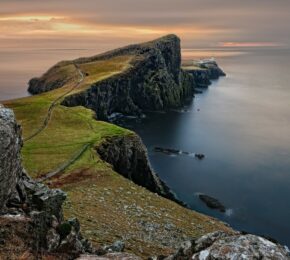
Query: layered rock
[
  {"x": 10, "y": 163},
  {"x": 128, "y": 156},
  {"x": 204, "y": 73},
  {"x": 220, "y": 245}
]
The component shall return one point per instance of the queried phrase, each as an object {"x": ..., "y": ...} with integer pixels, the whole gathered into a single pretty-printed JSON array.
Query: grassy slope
[{"x": 108, "y": 206}]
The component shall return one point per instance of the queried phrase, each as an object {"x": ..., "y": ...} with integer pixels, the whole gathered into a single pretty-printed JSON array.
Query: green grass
[
  {"x": 69, "y": 128},
  {"x": 192, "y": 67}
]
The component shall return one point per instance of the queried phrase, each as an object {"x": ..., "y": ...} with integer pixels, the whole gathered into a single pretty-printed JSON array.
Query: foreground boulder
[
  {"x": 220, "y": 245},
  {"x": 10, "y": 163}
]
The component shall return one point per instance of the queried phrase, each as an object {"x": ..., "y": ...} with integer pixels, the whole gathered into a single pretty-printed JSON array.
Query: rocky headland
[
  {"x": 112, "y": 200},
  {"x": 153, "y": 81},
  {"x": 203, "y": 72}
]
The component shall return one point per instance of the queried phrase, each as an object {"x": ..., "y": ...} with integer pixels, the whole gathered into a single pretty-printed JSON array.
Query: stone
[
  {"x": 199, "y": 156},
  {"x": 110, "y": 256},
  {"x": 249, "y": 247},
  {"x": 117, "y": 246},
  {"x": 212, "y": 202},
  {"x": 234, "y": 246},
  {"x": 50, "y": 201},
  {"x": 10, "y": 158},
  {"x": 74, "y": 222},
  {"x": 166, "y": 150},
  {"x": 53, "y": 240},
  {"x": 71, "y": 244}
]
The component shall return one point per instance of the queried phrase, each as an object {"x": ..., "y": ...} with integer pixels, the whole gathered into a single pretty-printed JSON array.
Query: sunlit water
[{"x": 241, "y": 123}]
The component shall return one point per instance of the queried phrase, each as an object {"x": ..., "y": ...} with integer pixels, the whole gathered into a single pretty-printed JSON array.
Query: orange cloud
[
  {"x": 249, "y": 44},
  {"x": 45, "y": 24}
]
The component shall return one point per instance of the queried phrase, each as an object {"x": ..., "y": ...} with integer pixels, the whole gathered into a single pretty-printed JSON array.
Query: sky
[{"x": 105, "y": 24}]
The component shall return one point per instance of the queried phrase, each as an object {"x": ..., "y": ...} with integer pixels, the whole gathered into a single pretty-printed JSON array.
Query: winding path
[
  {"x": 53, "y": 104},
  {"x": 79, "y": 153},
  {"x": 64, "y": 166}
]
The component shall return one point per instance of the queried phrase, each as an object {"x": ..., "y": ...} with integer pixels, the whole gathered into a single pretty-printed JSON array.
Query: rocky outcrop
[
  {"x": 214, "y": 71},
  {"x": 110, "y": 256},
  {"x": 220, "y": 245},
  {"x": 212, "y": 203},
  {"x": 203, "y": 73},
  {"x": 128, "y": 156},
  {"x": 10, "y": 163}
]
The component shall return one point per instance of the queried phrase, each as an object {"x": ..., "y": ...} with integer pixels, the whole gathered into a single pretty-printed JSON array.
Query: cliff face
[
  {"x": 128, "y": 156},
  {"x": 204, "y": 73},
  {"x": 10, "y": 145}
]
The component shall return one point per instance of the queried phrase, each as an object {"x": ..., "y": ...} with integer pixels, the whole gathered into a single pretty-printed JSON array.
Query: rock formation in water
[
  {"x": 212, "y": 203},
  {"x": 204, "y": 72}
]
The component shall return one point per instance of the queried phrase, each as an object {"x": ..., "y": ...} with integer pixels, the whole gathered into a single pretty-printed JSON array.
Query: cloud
[
  {"x": 249, "y": 44},
  {"x": 198, "y": 22}
]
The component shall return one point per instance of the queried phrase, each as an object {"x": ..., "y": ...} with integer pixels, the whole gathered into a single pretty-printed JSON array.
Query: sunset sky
[{"x": 104, "y": 24}]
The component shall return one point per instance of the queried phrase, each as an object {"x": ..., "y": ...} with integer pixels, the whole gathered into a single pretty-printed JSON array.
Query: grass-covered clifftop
[{"x": 109, "y": 206}]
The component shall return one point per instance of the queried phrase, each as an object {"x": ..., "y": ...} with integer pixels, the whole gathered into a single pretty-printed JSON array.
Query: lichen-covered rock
[
  {"x": 117, "y": 246},
  {"x": 235, "y": 246},
  {"x": 53, "y": 240},
  {"x": 110, "y": 256},
  {"x": 10, "y": 161}
]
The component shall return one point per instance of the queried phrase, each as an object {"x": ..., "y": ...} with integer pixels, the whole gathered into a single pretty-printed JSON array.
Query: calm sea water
[
  {"x": 241, "y": 123},
  {"x": 243, "y": 128}
]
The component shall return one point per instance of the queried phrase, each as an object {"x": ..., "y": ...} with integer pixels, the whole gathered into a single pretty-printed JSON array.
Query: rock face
[
  {"x": 10, "y": 163},
  {"x": 155, "y": 81},
  {"x": 220, "y": 245},
  {"x": 204, "y": 73},
  {"x": 128, "y": 156}
]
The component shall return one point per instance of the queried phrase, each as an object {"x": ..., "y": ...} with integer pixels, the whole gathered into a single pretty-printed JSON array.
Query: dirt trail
[
  {"x": 79, "y": 153},
  {"x": 53, "y": 104}
]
